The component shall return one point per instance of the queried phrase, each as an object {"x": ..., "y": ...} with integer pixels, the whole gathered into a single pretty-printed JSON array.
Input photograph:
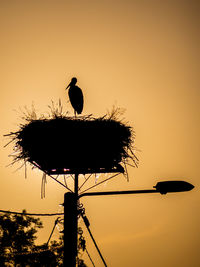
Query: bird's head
[{"x": 73, "y": 82}]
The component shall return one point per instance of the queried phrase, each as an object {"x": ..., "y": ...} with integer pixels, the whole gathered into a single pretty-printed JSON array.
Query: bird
[{"x": 75, "y": 96}]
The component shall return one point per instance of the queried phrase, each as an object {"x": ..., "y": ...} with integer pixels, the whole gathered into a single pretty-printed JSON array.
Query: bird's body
[{"x": 75, "y": 96}]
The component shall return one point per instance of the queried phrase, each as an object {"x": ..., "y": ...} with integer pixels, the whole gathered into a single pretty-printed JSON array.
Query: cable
[
  {"x": 89, "y": 257},
  {"x": 56, "y": 221},
  {"x": 32, "y": 214},
  {"x": 82, "y": 242},
  {"x": 87, "y": 224},
  {"x": 96, "y": 246}
]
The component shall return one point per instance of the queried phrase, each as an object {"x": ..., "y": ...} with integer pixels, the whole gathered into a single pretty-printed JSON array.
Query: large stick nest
[{"x": 74, "y": 144}]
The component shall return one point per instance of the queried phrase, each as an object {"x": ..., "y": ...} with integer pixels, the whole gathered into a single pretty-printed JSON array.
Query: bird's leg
[{"x": 75, "y": 113}]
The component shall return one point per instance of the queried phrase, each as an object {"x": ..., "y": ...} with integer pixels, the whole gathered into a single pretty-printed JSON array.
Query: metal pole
[
  {"x": 70, "y": 231},
  {"x": 70, "y": 226},
  {"x": 76, "y": 213},
  {"x": 76, "y": 184}
]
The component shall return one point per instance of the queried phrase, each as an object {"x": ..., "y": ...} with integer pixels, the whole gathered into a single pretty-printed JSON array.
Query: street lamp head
[{"x": 173, "y": 186}]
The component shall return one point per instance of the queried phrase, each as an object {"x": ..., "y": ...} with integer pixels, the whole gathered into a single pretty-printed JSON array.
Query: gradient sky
[{"x": 138, "y": 55}]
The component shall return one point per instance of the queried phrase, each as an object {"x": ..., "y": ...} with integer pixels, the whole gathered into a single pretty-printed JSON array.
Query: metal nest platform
[{"x": 64, "y": 171}]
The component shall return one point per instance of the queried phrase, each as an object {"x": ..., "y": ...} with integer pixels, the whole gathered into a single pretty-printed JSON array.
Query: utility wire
[
  {"x": 56, "y": 221},
  {"x": 87, "y": 224},
  {"x": 97, "y": 247},
  {"x": 31, "y": 214},
  {"x": 89, "y": 257}
]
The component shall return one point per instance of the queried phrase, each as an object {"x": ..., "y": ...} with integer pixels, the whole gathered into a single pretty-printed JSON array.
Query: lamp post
[
  {"x": 70, "y": 211},
  {"x": 163, "y": 187}
]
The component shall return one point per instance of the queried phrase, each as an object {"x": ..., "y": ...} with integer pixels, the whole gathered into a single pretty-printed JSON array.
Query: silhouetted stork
[{"x": 75, "y": 96}]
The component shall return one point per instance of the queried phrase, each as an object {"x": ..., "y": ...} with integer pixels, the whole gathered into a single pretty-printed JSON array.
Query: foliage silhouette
[{"x": 17, "y": 243}]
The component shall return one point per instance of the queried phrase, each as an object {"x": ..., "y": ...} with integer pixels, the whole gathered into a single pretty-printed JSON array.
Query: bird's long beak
[{"x": 68, "y": 86}]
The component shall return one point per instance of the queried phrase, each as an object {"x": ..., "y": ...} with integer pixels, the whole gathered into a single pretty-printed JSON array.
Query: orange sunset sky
[{"x": 141, "y": 56}]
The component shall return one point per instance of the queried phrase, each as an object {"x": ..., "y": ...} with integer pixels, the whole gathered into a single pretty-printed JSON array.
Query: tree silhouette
[{"x": 17, "y": 243}]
